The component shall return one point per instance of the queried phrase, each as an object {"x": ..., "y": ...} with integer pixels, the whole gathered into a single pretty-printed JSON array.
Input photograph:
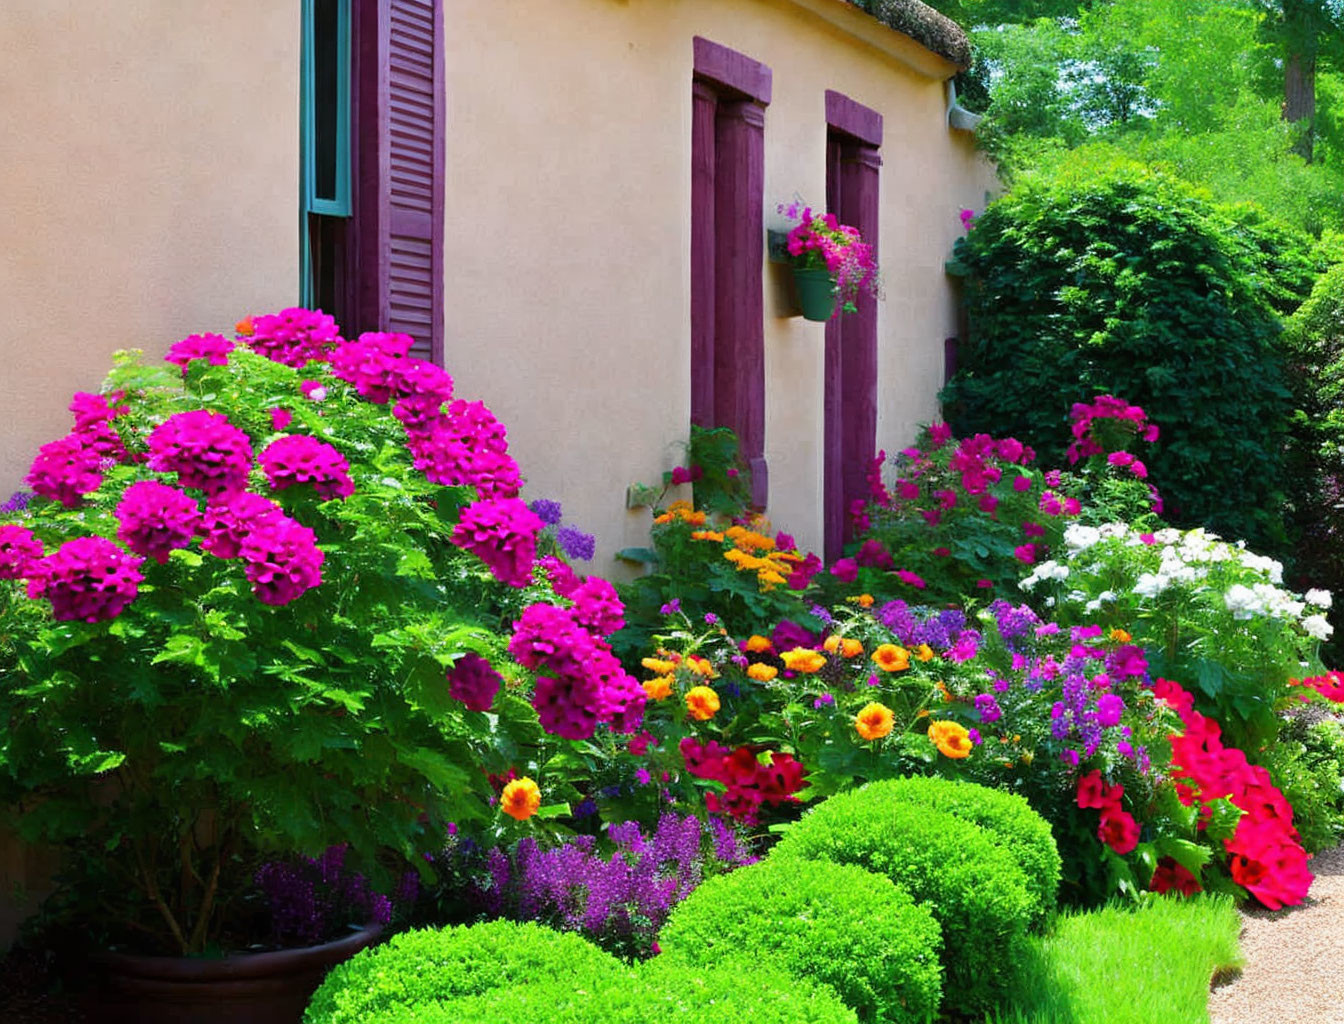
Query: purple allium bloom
[
  {"x": 16, "y": 502},
  {"x": 824, "y": 701},
  {"x": 1110, "y": 707},
  {"x": 821, "y": 615},
  {"x": 575, "y": 543},
  {"x": 1015, "y": 624},
  {"x": 671, "y": 608},
  {"x": 974, "y": 736},
  {"x": 585, "y": 808},
  {"x": 546, "y": 510},
  {"x": 988, "y": 708},
  {"x": 1070, "y": 757},
  {"x": 711, "y": 619},
  {"x": 643, "y": 777}
]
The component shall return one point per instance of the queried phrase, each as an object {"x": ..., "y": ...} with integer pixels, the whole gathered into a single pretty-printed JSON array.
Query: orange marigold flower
[
  {"x": 891, "y": 658},
  {"x": 951, "y": 739},
  {"x": 714, "y": 535},
  {"x": 521, "y": 799},
  {"x": 701, "y": 666},
  {"x": 694, "y": 518},
  {"x": 803, "y": 659},
  {"x": 244, "y": 327},
  {"x": 850, "y": 648},
  {"x": 702, "y": 703},
  {"x": 923, "y": 652},
  {"x": 832, "y": 643},
  {"x": 761, "y": 673},
  {"x": 749, "y": 540},
  {"x": 659, "y": 665},
  {"x": 770, "y": 579},
  {"x": 756, "y": 644},
  {"x": 1120, "y": 636},
  {"x": 862, "y": 600},
  {"x": 923, "y": 713},
  {"x": 658, "y": 688},
  {"x": 666, "y": 517},
  {"x": 874, "y": 721}
]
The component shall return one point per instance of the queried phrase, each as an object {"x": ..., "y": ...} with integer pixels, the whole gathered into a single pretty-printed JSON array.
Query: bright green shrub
[
  {"x": 837, "y": 924},
  {"x": 974, "y": 889},
  {"x": 1008, "y": 822},
  {"x": 1124, "y": 281},
  {"x": 425, "y": 966},
  {"x": 655, "y": 992}
]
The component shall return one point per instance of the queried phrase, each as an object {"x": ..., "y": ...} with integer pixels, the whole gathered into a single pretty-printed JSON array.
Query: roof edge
[
  {"x": 906, "y": 30},
  {"x": 919, "y": 21}
]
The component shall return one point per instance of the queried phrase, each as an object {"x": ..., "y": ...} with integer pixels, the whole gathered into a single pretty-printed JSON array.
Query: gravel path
[{"x": 1292, "y": 957}]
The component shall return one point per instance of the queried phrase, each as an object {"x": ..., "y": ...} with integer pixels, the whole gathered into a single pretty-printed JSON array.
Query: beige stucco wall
[
  {"x": 148, "y": 188},
  {"x": 568, "y": 183}
]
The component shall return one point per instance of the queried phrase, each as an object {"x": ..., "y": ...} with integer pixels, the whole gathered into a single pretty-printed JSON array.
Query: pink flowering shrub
[
  {"x": 820, "y": 241},
  {"x": 262, "y": 596}
]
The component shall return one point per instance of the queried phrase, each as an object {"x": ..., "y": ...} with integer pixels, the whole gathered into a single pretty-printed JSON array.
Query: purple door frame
[
  {"x": 853, "y": 137},
  {"x": 729, "y": 94}
]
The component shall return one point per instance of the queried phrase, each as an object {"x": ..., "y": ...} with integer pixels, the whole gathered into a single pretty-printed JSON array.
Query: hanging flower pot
[{"x": 816, "y": 292}]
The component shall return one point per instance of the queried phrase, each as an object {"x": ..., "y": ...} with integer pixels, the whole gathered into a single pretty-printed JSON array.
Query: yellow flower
[
  {"x": 714, "y": 535},
  {"x": 891, "y": 658},
  {"x": 803, "y": 659},
  {"x": 701, "y": 666},
  {"x": 658, "y": 688},
  {"x": 848, "y": 648},
  {"x": 749, "y": 540},
  {"x": 874, "y": 721},
  {"x": 702, "y": 703},
  {"x": 832, "y": 643},
  {"x": 521, "y": 799},
  {"x": 923, "y": 652},
  {"x": 1120, "y": 636},
  {"x": 951, "y": 739},
  {"x": 770, "y": 579},
  {"x": 762, "y": 673},
  {"x": 923, "y": 713},
  {"x": 659, "y": 665},
  {"x": 757, "y": 644}
]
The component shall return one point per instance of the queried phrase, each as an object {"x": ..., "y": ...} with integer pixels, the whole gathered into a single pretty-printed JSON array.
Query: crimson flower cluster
[
  {"x": 1118, "y": 829},
  {"x": 1117, "y": 420},
  {"x": 1265, "y": 854},
  {"x": 156, "y": 518},
  {"x": 1330, "y": 685},
  {"x": 214, "y": 348},
  {"x": 204, "y": 449},
  {"x": 88, "y": 579},
  {"x": 293, "y": 336},
  {"x": 751, "y": 784},
  {"x": 472, "y": 681},
  {"x": 299, "y": 459},
  {"x": 583, "y": 683},
  {"x": 19, "y": 549}
]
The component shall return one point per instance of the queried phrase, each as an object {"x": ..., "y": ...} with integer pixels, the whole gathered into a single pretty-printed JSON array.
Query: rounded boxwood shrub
[
  {"x": 1128, "y": 282},
  {"x": 837, "y": 924},
  {"x": 1009, "y": 823},
  {"x": 974, "y": 889},
  {"x": 658, "y": 991},
  {"x": 430, "y": 965}
]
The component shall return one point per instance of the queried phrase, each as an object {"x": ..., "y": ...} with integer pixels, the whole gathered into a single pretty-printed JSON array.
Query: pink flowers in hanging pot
[{"x": 820, "y": 243}]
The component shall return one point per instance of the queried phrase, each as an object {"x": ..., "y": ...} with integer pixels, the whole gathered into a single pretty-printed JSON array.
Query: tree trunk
[{"x": 1299, "y": 72}]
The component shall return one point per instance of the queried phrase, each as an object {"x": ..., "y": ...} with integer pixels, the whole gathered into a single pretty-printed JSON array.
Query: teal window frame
[{"x": 339, "y": 205}]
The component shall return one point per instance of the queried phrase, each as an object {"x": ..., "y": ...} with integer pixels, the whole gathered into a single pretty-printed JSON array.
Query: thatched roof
[{"x": 924, "y": 25}]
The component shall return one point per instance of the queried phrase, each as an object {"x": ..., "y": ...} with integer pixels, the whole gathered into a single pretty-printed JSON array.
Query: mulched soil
[{"x": 31, "y": 992}]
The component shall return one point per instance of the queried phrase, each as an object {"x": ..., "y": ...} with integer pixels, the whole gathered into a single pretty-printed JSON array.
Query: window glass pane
[{"x": 326, "y": 95}]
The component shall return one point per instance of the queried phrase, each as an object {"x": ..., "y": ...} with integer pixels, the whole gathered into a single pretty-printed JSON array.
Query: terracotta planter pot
[{"x": 257, "y": 988}]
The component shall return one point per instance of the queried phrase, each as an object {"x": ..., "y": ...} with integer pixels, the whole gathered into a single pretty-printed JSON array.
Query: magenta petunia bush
[{"x": 263, "y": 602}]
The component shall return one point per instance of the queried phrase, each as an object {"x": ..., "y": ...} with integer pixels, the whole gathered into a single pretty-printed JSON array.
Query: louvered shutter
[{"x": 410, "y": 172}]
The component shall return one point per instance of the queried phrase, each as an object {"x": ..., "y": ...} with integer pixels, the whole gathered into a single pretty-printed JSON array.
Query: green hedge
[
  {"x": 1126, "y": 281},
  {"x": 837, "y": 924},
  {"x": 649, "y": 994},
  {"x": 423, "y": 966},
  {"x": 974, "y": 889},
  {"x": 1008, "y": 821}
]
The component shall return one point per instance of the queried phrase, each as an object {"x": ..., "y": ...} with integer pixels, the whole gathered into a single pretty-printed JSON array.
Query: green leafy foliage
[
  {"x": 727, "y": 994},
  {"x": 170, "y": 748},
  {"x": 974, "y": 888},
  {"x": 1008, "y": 822},
  {"x": 840, "y": 925},
  {"x": 429, "y": 965},
  {"x": 1126, "y": 282}
]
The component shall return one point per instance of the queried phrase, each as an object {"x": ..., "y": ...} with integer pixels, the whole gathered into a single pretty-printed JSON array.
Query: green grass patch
[{"x": 1127, "y": 965}]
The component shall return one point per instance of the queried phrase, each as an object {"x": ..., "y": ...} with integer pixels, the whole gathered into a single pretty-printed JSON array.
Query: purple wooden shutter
[
  {"x": 729, "y": 97},
  {"x": 410, "y": 152},
  {"x": 850, "y": 376}
]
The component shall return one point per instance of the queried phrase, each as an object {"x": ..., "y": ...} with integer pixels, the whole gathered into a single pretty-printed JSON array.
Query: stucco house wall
[
  {"x": 148, "y": 183},
  {"x": 569, "y": 131}
]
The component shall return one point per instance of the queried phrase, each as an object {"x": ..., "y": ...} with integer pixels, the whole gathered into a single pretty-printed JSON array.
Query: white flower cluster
[{"x": 1184, "y": 559}]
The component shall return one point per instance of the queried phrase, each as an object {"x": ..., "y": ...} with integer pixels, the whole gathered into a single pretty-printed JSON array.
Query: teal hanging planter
[{"x": 816, "y": 293}]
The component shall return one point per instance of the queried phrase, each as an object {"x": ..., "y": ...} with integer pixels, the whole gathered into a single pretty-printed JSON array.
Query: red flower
[{"x": 1118, "y": 830}]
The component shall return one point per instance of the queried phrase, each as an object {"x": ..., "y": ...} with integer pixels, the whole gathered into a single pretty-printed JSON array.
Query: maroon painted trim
[
  {"x": 704, "y": 101},
  {"x": 732, "y": 70},
  {"x": 852, "y": 118},
  {"x": 951, "y": 347},
  {"x": 438, "y": 202},
  {"x": 850, "y": 374},
  {"x": 739, "y": 297}
]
